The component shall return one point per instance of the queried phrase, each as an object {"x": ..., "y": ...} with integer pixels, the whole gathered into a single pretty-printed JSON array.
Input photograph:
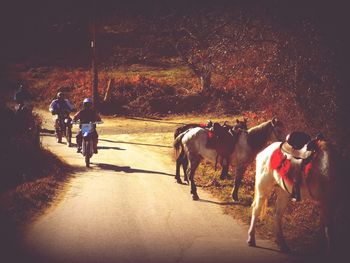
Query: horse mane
[
  {"x": 258, "y": 135},
  {"x": 324, "y": 146},
  {"x": 332, "y": 156}
]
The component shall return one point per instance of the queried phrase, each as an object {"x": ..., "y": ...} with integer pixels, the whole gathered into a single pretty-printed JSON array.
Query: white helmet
[{"x": 87, "y": 101}]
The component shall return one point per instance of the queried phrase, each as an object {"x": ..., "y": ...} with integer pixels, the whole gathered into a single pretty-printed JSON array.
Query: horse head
[
  {"x": 277, "y": 129},
  {"x": 241, "y": 124}
]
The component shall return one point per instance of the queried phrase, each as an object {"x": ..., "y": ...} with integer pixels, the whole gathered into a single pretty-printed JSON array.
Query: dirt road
[{"x": 128, "y": 208}]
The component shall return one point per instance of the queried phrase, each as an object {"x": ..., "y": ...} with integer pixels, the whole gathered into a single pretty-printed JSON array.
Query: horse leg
[
  {"x": 179, "y": 161},
  {"x": 281, "y": 204},
  {"x": 193, "y": 164},
  {"x": 185, "y": 166},
  {"x": 327, "y": 213},
  {"x": 224, "y": 171},
  {"x": 256, "y": 210},
  {"x": 238, "y": 179},
  {"x": 263, "y": 185}
]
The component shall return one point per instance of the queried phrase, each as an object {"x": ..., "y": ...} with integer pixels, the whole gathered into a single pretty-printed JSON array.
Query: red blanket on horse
[{"x": 281, "y": 164}]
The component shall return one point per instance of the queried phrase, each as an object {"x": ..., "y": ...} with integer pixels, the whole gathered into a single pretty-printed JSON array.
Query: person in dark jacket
[
  {"x": 61, "y": 108},
  {"x": 22, "y": 97},
  {"x": 86, "y": 115}
]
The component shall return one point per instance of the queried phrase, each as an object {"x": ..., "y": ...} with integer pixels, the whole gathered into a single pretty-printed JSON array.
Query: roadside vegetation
[{"x": 30, "y": 174}]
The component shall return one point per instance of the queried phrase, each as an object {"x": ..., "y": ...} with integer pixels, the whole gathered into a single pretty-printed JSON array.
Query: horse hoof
[
  {"x": 235, "y": 199},
  {"x": 195, "y": 197},
  {"x": 251, "y": 243},
  {"x": 284, "y": 248},
  {"x": 234, "y": 195},
  {"x": 179, "y": 181}
]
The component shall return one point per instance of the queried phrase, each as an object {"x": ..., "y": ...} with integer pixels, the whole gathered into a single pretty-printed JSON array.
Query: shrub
[{"x": 21, "y": 156}]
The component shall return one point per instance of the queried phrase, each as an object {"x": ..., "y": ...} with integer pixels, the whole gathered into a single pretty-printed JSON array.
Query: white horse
[
  {"x": 317, "y": 183},
  {"x": 249, "y": 143}
]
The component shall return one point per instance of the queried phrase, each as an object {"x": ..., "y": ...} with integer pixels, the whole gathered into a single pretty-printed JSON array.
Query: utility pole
[{"x": 94, "y": 70}]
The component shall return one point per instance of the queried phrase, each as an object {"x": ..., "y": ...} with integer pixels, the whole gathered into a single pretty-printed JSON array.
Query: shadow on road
[
  {"x": 148, "y": 119},
  {"x": 50, "y": 133},
  {"x": 241, "y": 203},
  {"x": 47, "y": 131},
  {"x": 74, "y": 145},
  {"x": 47, "y": 134},
  {"x": 217, "y": 203},
  {"x": 268, "y": 248},
  {"x": 110, "y": 148},
  {"x": 136, "y": 143},
  {"x": 126, "y": 169}
]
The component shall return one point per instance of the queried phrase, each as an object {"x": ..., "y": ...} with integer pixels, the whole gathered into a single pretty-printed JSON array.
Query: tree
[{"x": 216, "y": 43}]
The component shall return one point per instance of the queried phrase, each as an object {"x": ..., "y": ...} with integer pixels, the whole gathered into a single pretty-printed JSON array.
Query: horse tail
[
  {"x": 178, "y": 143},
  {"x": 263, "y": 209},
  {"x": 254, "y": 199},
  {"x": 178, "y": 131}
]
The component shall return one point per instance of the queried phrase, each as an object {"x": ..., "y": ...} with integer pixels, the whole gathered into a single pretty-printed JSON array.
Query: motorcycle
[
  {"x": 64, "y": 128},
  {"x": 28, "y": 124},
  {"x": 87, "y": 130}
]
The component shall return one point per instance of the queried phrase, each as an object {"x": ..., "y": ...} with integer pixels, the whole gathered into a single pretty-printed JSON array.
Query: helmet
[
  {"x": 60, "y": 95},
  {"x": 87, "y": 102}
]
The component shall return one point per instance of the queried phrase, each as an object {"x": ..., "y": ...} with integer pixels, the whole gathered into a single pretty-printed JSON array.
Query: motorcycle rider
[
  {"x": 86, "y": 115},
  {"x": 62, "y": 108},
  {"x": 22, "y": 97}
]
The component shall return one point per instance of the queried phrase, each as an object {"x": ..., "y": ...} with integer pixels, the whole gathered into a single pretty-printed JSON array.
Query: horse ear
[
  {"x": 320, "y": 136},
  {"x": 312, "y": 145},
  {"x": 274, "y": 121}
]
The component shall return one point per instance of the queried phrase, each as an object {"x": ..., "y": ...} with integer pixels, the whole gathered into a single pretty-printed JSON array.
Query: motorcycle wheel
[
  {"x": 69, "y": 136},
  {"x": 59, "y": 137},
  {"x": 87, "y": 153}
]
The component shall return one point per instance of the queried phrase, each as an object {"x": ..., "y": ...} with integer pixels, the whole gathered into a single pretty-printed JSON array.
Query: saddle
[
  {"x": 298, "y": 145},
  {"x": 222, "y": 138}
]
